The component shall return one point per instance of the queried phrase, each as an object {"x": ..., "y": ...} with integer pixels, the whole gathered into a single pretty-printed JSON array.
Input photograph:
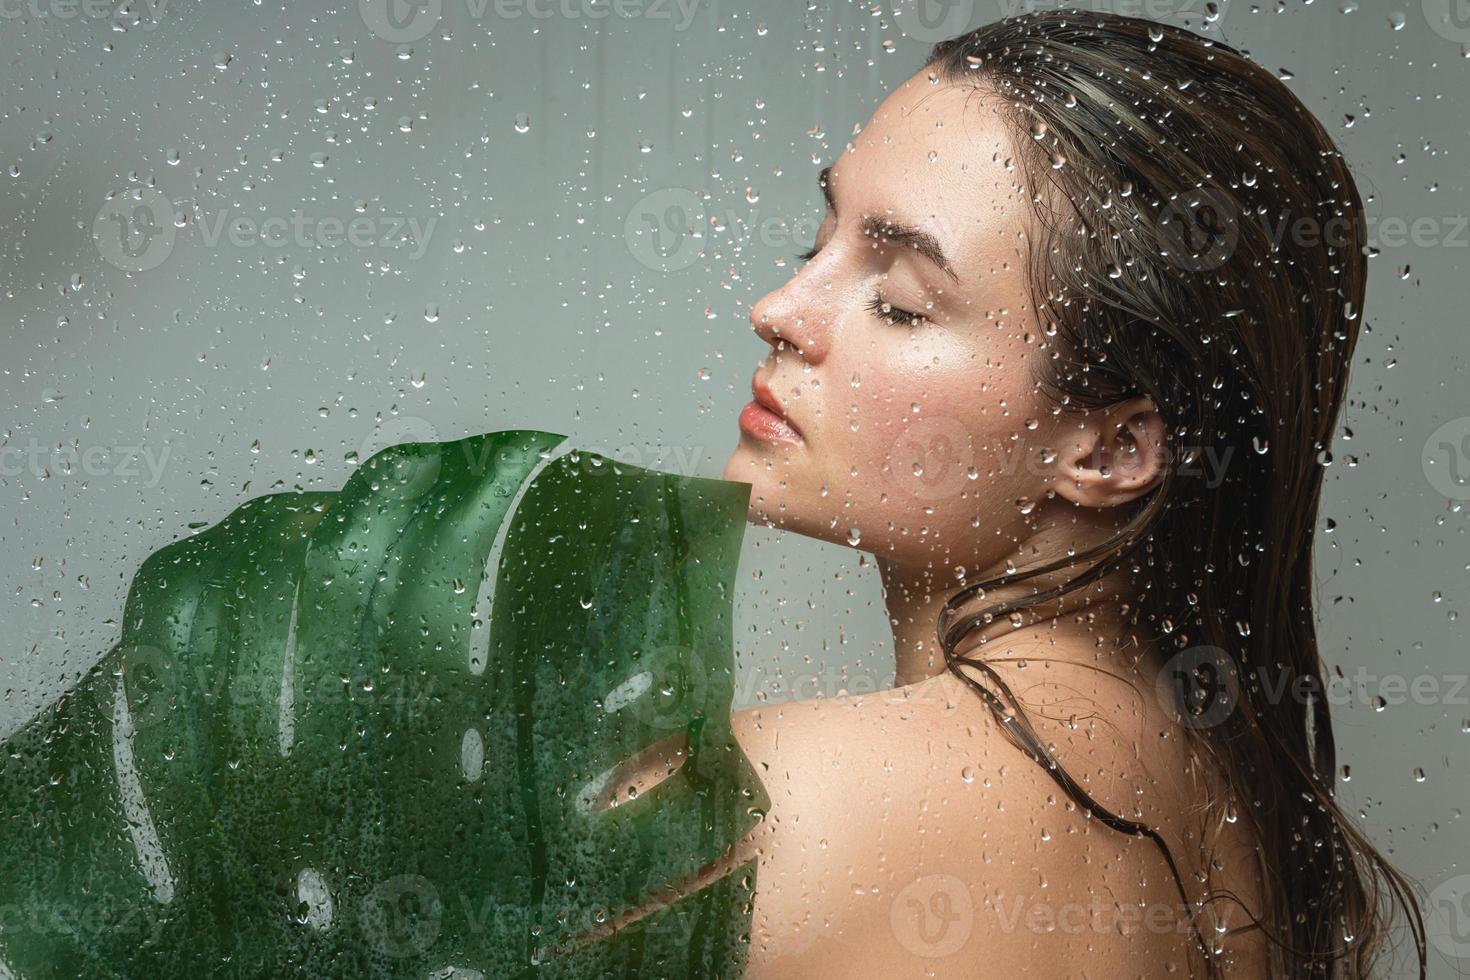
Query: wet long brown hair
[{"x": 1163, "y": 168}]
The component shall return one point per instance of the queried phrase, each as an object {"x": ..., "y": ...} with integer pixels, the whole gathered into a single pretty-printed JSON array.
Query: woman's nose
[{"x": 784, "y": 316}]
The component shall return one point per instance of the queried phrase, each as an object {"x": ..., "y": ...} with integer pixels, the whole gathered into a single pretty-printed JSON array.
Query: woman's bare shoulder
[{"x": 906, "y": 834}]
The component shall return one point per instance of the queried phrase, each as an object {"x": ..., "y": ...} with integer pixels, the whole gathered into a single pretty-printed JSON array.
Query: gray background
[{"x": 552, "y": 291}]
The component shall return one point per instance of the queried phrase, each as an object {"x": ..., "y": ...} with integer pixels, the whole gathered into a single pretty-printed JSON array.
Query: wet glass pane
[{"x": 660, "y": 488}]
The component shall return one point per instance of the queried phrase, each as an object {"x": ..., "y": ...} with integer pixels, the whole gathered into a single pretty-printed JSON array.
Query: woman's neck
[{"x": 1089, "y": 624}]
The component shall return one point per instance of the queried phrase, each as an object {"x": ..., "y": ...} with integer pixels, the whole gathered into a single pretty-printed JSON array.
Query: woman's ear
[{"x": 1115, "y": 455}]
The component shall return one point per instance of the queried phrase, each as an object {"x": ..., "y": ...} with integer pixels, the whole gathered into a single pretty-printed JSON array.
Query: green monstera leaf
[{"x": 389, "y": 732}]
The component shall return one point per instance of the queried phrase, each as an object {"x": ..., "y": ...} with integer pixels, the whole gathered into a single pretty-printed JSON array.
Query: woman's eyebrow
[
  {"x": 824, "y": 181},
  {"x": 920, "y": 241},
  {"x": 893, "y": 231}
]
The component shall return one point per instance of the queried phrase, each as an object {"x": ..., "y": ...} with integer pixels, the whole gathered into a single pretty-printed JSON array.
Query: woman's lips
[{"x": 766, "y": 425}]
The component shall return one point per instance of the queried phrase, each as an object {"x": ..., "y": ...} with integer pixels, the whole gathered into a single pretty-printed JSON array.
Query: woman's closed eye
[{"x": 885, "y": 310}]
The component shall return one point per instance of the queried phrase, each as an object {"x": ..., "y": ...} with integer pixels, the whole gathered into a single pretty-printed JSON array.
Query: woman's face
[{"x": 921, "y": 434}]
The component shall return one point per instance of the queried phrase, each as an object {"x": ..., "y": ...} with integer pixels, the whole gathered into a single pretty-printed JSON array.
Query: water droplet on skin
[
  {"x": 968, "y": 774},
  {"x": 854, "y": 535}
]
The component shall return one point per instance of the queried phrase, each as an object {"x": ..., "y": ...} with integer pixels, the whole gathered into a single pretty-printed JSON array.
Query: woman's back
[{"x": 908, "y": 837}]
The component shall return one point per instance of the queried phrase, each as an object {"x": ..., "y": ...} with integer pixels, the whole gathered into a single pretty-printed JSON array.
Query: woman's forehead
[{"x": 939, "y": 157}]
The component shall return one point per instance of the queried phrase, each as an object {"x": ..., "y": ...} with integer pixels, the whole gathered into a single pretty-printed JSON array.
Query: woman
[{"x": 1048, "y": 362}]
